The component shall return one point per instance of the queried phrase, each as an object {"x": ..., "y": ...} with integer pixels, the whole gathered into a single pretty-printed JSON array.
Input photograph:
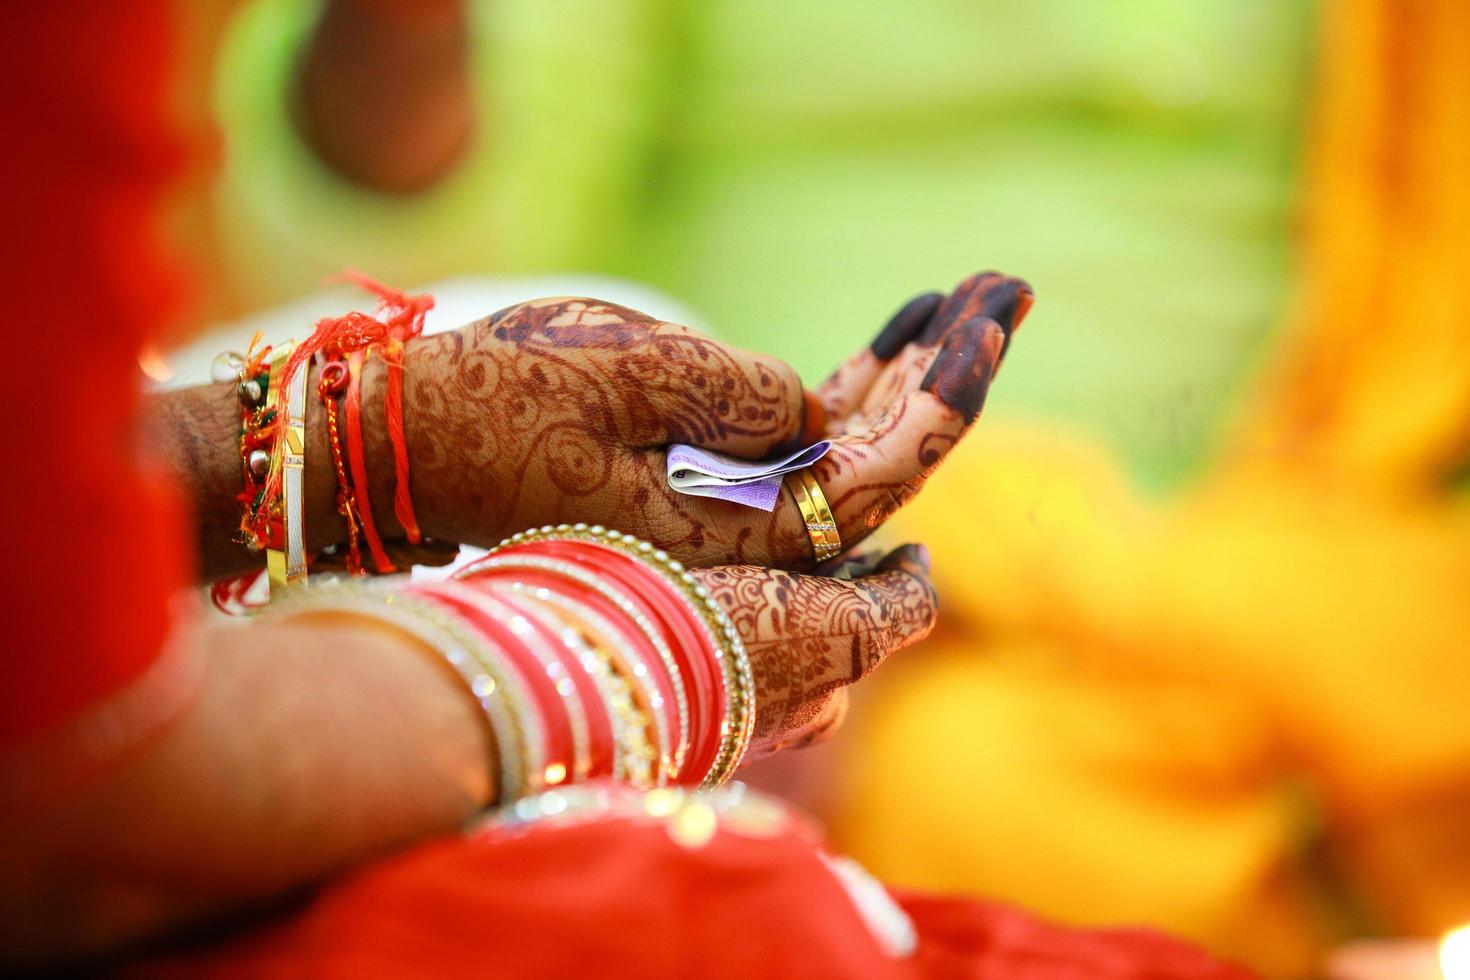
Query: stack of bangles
[{"x": 592, "y": 655}]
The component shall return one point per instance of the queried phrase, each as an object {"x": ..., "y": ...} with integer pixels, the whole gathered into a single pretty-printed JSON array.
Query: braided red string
[
  {"x": 333, "y": 382},
  {"x": 404, "y": 317}
]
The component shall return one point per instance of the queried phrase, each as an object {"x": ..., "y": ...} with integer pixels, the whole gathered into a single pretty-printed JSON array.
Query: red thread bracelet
[
  {"x": 403, "y": 316},
  {"x": 357, "y": 462},
  {"x": 400, "y": 318},
  {"x": 331, "y": 383}
]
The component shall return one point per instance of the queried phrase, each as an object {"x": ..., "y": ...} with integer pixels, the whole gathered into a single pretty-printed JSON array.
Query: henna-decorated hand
[
  {"x": 897, "y": 408},
  {"x": 559, "y": 410},
  {"x": 809, "y": 637}
]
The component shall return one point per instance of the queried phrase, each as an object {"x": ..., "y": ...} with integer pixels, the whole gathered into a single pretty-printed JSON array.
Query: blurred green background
[{"x": 794, "y": 171}]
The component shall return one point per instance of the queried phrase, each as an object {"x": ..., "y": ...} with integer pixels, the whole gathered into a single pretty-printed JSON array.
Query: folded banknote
[{"x": 703, "y": 473}]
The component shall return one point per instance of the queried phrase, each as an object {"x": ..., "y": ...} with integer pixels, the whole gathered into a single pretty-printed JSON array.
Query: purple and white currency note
[{"x": 702, "y": 473}]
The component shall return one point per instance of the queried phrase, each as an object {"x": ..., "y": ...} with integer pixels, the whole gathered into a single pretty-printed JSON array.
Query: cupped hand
[
  {"x": 809, "y": 637},
  {"x": 561, "y": 410},
  {"x": 895, "y": 409}
]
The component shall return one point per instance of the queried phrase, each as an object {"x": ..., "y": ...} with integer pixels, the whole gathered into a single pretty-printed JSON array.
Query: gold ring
[{"x": 821, "y": 526}]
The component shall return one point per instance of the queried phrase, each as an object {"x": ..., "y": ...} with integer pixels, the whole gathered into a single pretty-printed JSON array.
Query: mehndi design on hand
[
  {"x": 561, "y": 410},
  {"x": 810, "y": 637}
]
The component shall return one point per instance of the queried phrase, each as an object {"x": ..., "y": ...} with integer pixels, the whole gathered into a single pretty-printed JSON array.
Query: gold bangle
[
  {"x": 288, "y": 566},
  {"x": 821, "y": 526}
]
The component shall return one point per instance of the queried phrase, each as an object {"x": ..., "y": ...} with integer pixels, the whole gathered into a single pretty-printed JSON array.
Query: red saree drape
[
  {"x": 639, "y": 896},
  {"x": 94, "y": 542}
]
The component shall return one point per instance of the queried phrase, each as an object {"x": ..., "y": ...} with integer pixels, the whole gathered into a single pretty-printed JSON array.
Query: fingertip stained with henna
[
  {"x": 960, "y": 375},
  {"x": 905, "y": 325}
]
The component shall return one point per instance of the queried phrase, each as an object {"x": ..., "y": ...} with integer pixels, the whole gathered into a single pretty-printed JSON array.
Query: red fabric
[
  {"x": 622, "y": 899},
  {"x": 975, "y": 940},
  {"x": 357, "y": 461},
  {"x": 94, "y": 544}
]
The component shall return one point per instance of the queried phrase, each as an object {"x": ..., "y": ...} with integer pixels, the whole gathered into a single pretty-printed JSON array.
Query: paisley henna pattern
[
  {"x": 893, "y": 421},
  {"x": 558, "y": 410},
  {"x": 810, "y": 637}
]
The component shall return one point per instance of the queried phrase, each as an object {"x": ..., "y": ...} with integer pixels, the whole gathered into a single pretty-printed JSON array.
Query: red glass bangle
[
  {"x": 644, "y": 744},
  {"x": 600, "y": 742},
  {"x": 555, "y": 721},
  {"x": 672, "y": 695},
  {"x": 701, "y": 656},
  {"x": 651, "y": 574},
  {"x": 702, "y": 699},
  {"x": 648, "y": 584},
  {"x": 687, "y": 636}
]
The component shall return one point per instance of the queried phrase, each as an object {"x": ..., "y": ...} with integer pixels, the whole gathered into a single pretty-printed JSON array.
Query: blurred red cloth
[
  {"x": 617, "y": 897},
  {"x": 94, "y": 542}
]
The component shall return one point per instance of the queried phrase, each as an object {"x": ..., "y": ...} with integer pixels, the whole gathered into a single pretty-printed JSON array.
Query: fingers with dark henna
[
  {"x": 961, "y": 373},
  {"x": 987, "y": 294},
  {"x": 1004, "y": 299},
  {"x": 905, "y": 325},
  {"x": 868, "y": 477},
  {"x": 955, "y": 359},
  {"x": 844, "y": 392}
]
